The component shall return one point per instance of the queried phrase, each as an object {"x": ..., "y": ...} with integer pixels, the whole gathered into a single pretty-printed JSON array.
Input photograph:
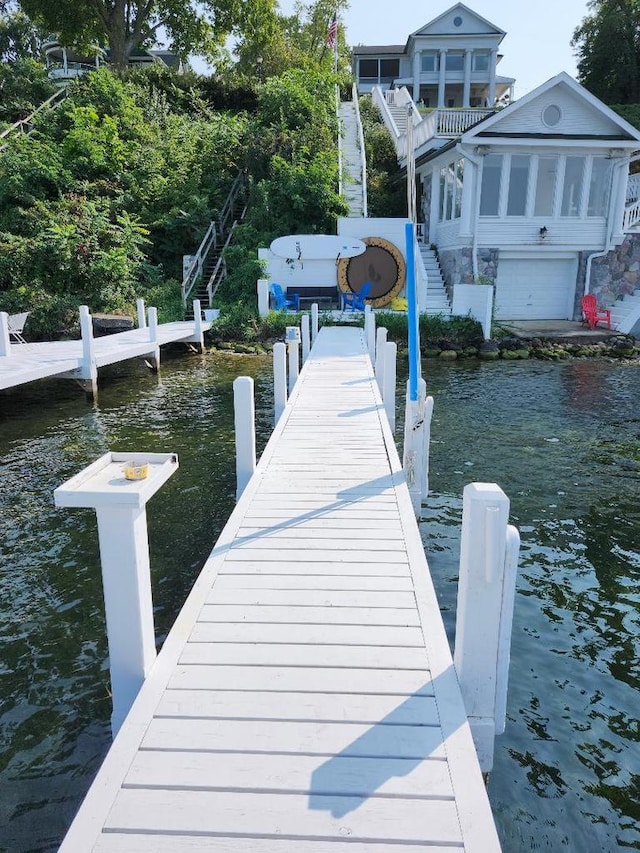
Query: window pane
[
  {"x": 429, "y": 62},
  {"x": 443, "y": 193},
  {"x": 480, "y": 61},
  {"x": 571, "y": 191},
  {"x": 545, "y": 186},
  {"x": 518, "y": 184},
  {"x": 455, "y": 61},
  {"x": 490, "y": 193},
  {"x": 389, "y": 68},
  {"x": 600, "y": 187},
  {"x": 459, "y": 182},
  {"x": 368, "y": 69},
  {"x": 450, "y": 191}
]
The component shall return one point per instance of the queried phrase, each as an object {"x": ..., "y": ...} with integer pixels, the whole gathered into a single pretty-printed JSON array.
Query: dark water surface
[{"x": 561, "y": 439}]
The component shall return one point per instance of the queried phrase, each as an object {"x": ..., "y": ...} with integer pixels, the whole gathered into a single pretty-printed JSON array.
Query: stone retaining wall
[{"x": 617, "y": 273}]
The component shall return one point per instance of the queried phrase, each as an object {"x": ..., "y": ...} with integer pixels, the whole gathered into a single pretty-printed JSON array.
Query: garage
[{"x": 535, "y": 288}]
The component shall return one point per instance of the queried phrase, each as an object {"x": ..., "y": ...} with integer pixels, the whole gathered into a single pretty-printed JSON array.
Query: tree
[
  {"x": 125, "y": 25},
  {"x": 607, "y": 44}
]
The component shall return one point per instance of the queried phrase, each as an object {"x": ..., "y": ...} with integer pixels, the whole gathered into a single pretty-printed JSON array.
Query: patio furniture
[
  {"x": 355, "y": 301},
  {"x": 281, "y": 302},
  {"x": 16, "y": 323},
  {"x": 593, "y": 315}
]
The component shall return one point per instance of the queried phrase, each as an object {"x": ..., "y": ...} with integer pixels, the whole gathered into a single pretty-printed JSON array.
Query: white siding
[
  {"x": 471, "y": 23},
  {"x": 296, "y": 274},
  {"x": 578, "y": 116},
  {"x": 570, "y": 234}
]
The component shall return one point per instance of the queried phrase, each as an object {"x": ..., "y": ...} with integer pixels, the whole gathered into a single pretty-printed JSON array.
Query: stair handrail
[
  {"x": 194, "y": 271},
  {"x": 215, "y": 280},
  {"x": 227, "y": 207},
  {"x": 363, "y": 154},
  {"x": 25, "y": 125},
  {"x": 379, "y": 99},
  {"x": 422, "y": 274}
]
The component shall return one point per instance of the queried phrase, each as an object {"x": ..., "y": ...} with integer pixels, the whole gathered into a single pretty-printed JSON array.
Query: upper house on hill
[{"x": 533, "y": 196}]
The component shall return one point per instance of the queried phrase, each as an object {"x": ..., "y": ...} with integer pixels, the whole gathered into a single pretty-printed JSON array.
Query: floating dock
[{"x": 305, "y": 700}]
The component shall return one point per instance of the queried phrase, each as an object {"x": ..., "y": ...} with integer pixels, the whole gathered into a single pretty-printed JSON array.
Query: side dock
[{"x": 305, "y": 700}]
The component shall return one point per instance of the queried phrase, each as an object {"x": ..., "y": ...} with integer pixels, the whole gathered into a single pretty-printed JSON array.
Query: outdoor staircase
[
  {"x": 437, "y": 298},
  {"x": 625, "y": 313},
  {"x": 353, "y": 179},
  {"x": 399, "y": 115}
]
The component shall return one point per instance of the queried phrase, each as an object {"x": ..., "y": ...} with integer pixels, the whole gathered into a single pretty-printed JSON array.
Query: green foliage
[
  {"x": 629, "y": 112},
  {"x": 24, "y": 85},
  {"x": 386, "y": 183},
  {"x": 607, "y": 44}
]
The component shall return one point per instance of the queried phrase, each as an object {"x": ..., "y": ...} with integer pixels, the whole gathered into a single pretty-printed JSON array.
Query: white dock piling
[
  {"x": 153, "y": 337},
  {"x": 124, "y": 556},
  {"x": 293, "y": 345},
  {"x": 197, "y": 329},
  {"x": 381, "y": 340},
  {"x": 142, "y": 318},
  {"x": 370, "y": 331},
  {"x": 263, "y": 296},
  {"x": 279, "y": 380},
  {"x": 417, "y": 439},
  {"x": 245, "y": 430},
  {"x": 389, "y": 382},
  {"x": 314, "y": 321},
  {"x": 488, "y": 565},
  {"x": 89, "y": 379},
  {"x": 5, "y": 340},
  {"x": 306, "y": 337}
]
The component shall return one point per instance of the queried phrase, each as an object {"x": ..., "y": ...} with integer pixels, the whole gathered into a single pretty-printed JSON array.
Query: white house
[{"x": 450, "y": 62}]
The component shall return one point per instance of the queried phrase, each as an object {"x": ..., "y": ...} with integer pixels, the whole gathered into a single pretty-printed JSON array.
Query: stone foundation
[{"x": 617, "y": 274}]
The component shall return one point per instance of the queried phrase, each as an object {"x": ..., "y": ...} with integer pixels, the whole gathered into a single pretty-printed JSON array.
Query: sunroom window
[
  {"x": 455, "y": 61},
  {"x": 600, "y": 187},
  {"x": 490, "y": 192},
  {"x": 429, "y": 62},
  {"x": 571, "y": 191},
  {"x": 518, "y": 185},
  {"x": 480, "y": 61},
  {"x": 545, "y": 186}
]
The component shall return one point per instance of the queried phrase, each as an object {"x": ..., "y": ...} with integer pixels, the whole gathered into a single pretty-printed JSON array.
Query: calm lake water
[{"x": 561, "y": 439}]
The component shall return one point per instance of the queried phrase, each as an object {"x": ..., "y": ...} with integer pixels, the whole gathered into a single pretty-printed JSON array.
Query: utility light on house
[{"x": 543, "y": 232}]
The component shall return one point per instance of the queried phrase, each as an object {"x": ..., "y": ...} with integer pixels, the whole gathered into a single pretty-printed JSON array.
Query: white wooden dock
[
  {"x": 305, "y": 700},
  {"x": 29, "y": 362}
]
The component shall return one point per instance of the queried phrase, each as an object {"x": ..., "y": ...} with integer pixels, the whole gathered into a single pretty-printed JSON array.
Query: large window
[
  {"x": 545, "y": 186},
  {"x": 451, "y": 178},
  {"x": 490, "y": 192},
  {"x": 389, "y": 69},
  {"x": 518, "y": 185},
  {"x": 481, "y": 61},
  {"x": 572, "y": 187},
  {"x": 429, "y": 61},
  {"x": 384, "y": 70},
  {"x": 455, "y": 61},
  {"x": 599, "y": 187},
  {"x": 368, "y": 69}
]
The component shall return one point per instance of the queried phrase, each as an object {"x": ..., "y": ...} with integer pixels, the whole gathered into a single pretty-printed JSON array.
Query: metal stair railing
[
  {"x": 194, "y": 271},
  {"x": 25, "y": 125}
]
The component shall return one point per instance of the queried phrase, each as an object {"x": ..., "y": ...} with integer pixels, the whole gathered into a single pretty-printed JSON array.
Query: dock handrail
[
  {"x": 363, "y": 155},
  {"x": 194, "y": 271}
]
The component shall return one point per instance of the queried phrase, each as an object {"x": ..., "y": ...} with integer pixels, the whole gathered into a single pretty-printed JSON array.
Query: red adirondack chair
[{"x": 593, "y": 315}]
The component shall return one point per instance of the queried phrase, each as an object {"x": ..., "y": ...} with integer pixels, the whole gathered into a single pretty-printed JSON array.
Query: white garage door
[{"x": 535, "y": 289}]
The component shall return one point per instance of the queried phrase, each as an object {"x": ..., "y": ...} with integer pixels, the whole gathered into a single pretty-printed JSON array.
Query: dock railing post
[
  {"x": 279, "y": 380},
  {"x": 486, "y": 589},
  {"x": 389, "y": 388},
  {"x": 153, "y": 337},
  {"x": 314, "y": 322},
  {"x": 89, "y": 380},
  {"x": 381, "y": 340},
  {"x": 197, "y": 329},
  {"x": 263, "y": 296},
  {"x": 142, "y": 319},
  {"x": 5, "y": 340},
  {"x": 306, "y": 337},
  {"x": 245, "y": 431},
  {"x": 417, "y": 438},
  {"x": 370, "y": 331},
  {"x": 293, "y": 344},
  {"x": 124, "y": 558}
]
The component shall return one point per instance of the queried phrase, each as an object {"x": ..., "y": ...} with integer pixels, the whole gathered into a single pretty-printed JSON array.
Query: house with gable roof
[{"x": 535, "y": 197}]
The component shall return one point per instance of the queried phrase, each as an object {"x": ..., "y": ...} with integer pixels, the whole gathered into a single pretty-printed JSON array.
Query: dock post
[
  {"x": 279, "y": 380},
  {"x": 5, "y": 340},
  {"x": 153, "y": 337},
  {"x": 381, "y": 340},
  {"x": 89, "y": 378},
  {"x": 197, "y": 330},
  {"x": 314, "y": 321},
  {"x": 417, "y": 439},
  {"x": 306, "y": 337},
  {"x": 245, "y": 430},
  {"x": 389, "y": 382},
  {"x": 124, "y": 557},
  {"x": 370, "y": 331},
  {"x": 292, "y": 346},
  {"x": 142, "y": 319},
  {"x": 488, "y": 566},
  {"x": 263, "y": 296}
]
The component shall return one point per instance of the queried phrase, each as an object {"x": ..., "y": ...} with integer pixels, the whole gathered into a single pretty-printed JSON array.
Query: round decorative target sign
[{"x": 382, "y": 264}]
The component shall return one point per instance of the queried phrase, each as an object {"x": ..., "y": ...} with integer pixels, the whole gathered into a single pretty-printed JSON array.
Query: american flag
[{"x": 332, "y": 32}]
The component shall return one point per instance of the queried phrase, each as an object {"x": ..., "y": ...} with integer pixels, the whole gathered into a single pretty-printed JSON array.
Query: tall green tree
[
  {"x": 607, "y": 44},
  {"x": 124, "y": 25}
]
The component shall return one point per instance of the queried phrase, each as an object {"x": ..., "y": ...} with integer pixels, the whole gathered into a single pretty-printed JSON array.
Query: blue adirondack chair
[
  {"x": 281, "y": 302},
  {"x": 356, "y": 301}
]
